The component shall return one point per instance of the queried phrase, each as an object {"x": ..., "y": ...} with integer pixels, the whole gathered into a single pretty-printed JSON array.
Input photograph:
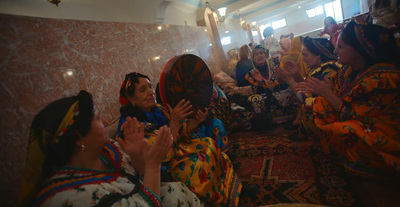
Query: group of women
[{"x": 348, "y": 97}]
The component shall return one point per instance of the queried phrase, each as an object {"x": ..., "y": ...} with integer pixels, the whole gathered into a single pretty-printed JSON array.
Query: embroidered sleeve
[
  {"x": 149, "y": 197},
  {"x": 371, "y": 96}
]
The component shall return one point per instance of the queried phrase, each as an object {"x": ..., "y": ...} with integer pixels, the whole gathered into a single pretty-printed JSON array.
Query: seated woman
[
  {"x": 295, "y": 50},
  {"x": 318, "y": 55},
  {"x": 72, "y": 161},
  {"x": 273, "y": 99},
  {"x": 359, "y": 115},
  {"x": 195, "y": 159},
  {"x": 233, "y": 60},
  {"x": 233, "y": 116},
  {"x": 243, "y": 66}
]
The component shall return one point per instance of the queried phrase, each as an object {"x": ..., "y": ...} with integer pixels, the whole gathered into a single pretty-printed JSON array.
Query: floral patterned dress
[
  {"x": 306, "y": 100},
  {"x": 199, "y": 163},
  {"x": 120, "y": 185},
  {"x": 220, "y": 108},
  {"x": 364, "y": 135}
]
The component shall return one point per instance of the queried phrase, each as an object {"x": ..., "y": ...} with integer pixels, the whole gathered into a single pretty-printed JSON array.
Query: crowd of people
[{"x": 342, "y": 91}]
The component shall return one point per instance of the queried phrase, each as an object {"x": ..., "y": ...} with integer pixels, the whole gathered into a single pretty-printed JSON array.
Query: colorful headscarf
[
  {"x": 325, "y": 47},
  {"x": 128, "y": 86},
  {"x": 285, "y": 42},
  {"x": 295, "y": 50},
  {"x": 376, "y": 44},
  {"x": 320, "y": 46},
  {"x": 43, "y": 136},
  {"x": 364, "y": 42}
]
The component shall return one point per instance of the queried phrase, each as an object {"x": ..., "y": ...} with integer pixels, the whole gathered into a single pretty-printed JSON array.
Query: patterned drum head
[{"x": 186, "y": 77}]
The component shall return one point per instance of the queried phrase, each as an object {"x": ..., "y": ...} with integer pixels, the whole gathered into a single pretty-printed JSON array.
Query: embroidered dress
[
  {"x": 220, "y": 108},
  {"x": 200, "y": 164},
  {"x": 271, "y": 96},
  {"x": 307, "y": 127},
  {"x": 120, "y": 185},
  {"x": 364, "y": 135}
]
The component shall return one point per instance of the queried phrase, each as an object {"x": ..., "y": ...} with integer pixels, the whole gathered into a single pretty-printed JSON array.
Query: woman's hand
[
  {"x": 194, "y": 123},
  {"x": 181, "y": 111},
  {"x": 321, "y": 88},
  {"x": 317, "y": 87},
  {"x": 134, "y": 142},
  {"x": 156, "y": 154},
  {"x": 257, "y": 76},
  {"x": 284, "y": 75}
]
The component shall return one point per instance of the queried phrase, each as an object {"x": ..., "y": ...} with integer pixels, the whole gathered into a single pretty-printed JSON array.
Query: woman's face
[
  {"x": 312, "y": 61},
  {"x": 346, "y": 54},
  {"x": 97, "y": 136},
  {"x": 260, "y": 57},
  {"x": 144, "y": 97}
]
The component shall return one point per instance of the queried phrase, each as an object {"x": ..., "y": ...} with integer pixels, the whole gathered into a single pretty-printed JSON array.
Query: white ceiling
[{"x": 147, "y": 11}]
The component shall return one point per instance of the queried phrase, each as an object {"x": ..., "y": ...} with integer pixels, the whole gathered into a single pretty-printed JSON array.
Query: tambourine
[{"x": 186, "y": 77}]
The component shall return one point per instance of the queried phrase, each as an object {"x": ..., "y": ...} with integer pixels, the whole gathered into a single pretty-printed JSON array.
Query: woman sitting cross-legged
[
  {"x": 72, "y": 161},
  {"x": 359, "y": 114},
  {"x": 195, "y": 159},
  {"x": 318, "y": 55},
  {"x": 273, "y": 99}
]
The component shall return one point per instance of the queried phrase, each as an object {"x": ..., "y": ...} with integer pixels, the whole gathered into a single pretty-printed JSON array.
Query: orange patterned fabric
[{"x": 364, "y": 135}]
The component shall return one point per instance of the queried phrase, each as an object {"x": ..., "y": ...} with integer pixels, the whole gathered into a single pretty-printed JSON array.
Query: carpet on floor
[{"x": 289, "y": 171}]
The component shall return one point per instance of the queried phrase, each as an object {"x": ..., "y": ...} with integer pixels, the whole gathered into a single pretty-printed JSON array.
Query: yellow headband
[{"x": 67, "y": 121}]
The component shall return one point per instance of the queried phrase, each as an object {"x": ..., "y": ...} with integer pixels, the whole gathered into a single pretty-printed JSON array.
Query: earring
[{"x": 83, "y": 147}]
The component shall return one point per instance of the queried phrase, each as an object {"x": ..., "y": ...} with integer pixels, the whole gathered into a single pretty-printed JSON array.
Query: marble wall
[{"x": 42, "y": 60}]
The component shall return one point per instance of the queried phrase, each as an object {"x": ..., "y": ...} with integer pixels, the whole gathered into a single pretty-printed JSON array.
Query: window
[
  {"x": 278, "y": 24},
  {"x": 319, "y": 10},
  {"x": 226, "y": 40},
  {"x": 315, "y": 11},
  {"x": 333, "y": 9}
]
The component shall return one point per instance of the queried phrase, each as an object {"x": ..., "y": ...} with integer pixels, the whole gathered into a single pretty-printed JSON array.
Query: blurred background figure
[{"x": 332, "y": 29}]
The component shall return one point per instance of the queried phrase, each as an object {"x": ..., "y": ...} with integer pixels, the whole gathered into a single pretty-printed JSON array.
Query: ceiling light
[{"x": 222, "y": 11}]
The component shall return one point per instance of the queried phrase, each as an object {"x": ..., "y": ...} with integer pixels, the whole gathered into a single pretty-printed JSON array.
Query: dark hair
[
  {"x": 382, "y": 3},
  {"x": 380, "y": 40},
  {"x": 131, "y": 79},
  {"x": 323, "y": 44},
  {"x": 250, "y": 44},
  {"x": 261, "y": 47},
  {"x": 47, "y": 121},
  {"x": 128, "y": 88},
  {"x": 331, "y": 19}
]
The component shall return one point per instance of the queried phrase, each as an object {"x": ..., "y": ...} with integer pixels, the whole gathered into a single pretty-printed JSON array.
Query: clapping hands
[
  {"x": 315, "y": 86},
  {"x": 138, "y": 148}
]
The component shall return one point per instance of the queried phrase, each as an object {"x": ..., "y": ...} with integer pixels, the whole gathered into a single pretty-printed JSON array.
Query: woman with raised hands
[
  {"x": 318, "y": 55},
  {"x": 195, "y": 159},
  {"x": 72, "y": 161},
  {"x": 358, "y": 113}
]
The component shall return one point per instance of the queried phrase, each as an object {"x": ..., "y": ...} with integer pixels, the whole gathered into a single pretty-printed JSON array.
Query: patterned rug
[{"x": 290, "y": 171}]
